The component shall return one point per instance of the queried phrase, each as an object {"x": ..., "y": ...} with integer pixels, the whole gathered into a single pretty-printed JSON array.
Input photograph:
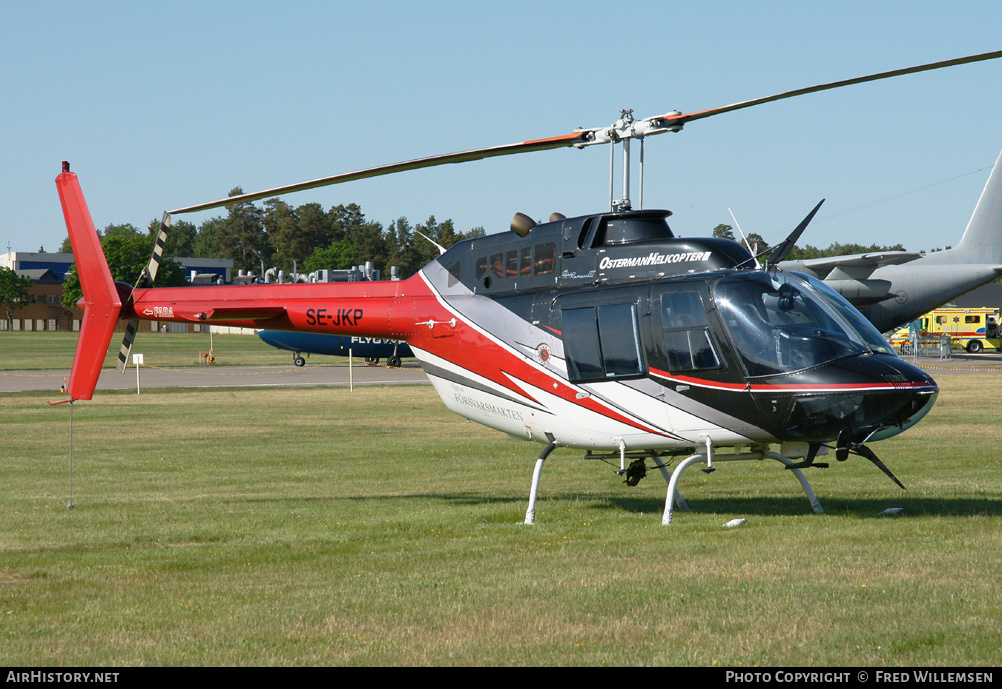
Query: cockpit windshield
[
  {"x": 862, "y": 326},
  {"x": 779, "y": 325}
]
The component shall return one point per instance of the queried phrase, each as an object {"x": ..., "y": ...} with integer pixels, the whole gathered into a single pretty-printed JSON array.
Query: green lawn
[
  {"x": 318, "y": 526},
  {"x": 51, "y": 350}
]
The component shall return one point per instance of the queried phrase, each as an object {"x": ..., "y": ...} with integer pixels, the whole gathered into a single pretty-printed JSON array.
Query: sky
[{"x": 164, "y": 105}]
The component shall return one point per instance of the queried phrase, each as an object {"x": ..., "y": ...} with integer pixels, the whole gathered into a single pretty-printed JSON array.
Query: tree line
[
  {"x": 275, "y": 235},
  {"x": 278, "y": 235}
]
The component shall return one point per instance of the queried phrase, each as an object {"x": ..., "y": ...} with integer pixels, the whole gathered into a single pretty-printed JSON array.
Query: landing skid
[
  {"x": 674, "y": 498},
  {"x": 736, "y": 457}
]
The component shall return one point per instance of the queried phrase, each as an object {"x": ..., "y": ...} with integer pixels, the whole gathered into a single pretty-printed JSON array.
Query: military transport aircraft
[
  {"x": 892, "y": 288},
  {"x": 602, "y": 332}
]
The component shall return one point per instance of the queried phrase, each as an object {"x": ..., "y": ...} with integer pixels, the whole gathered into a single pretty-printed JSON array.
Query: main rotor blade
[
  {"x": 579, "y": 138},
  {"x": 566, "y": 140},
  {"x": 702, "y": 114}
]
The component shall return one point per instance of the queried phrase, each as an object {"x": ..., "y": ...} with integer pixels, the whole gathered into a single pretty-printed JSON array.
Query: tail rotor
[{"x": 149, "y": 276}]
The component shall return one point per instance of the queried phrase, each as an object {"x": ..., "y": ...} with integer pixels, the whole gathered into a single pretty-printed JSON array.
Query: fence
[{"x": 940, "y": 347}]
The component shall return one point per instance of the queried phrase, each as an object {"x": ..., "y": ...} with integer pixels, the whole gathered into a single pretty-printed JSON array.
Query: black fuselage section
[{"x": 766, "y": 354}]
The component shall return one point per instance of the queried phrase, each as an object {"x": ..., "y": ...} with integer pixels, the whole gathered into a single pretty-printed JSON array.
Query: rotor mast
[{"x": 625, "y": 129}]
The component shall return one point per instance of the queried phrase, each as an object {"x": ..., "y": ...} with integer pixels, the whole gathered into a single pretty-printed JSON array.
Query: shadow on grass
[
  {"x": 454, "y": 498},
  {"x": 764, "y": 506},
  {"x": 859, "y": 508}
]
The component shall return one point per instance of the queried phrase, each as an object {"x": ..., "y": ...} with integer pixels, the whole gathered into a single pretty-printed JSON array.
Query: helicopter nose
[
  {"x": 919, "y": 393},
  {"x": 886, "y": 396}
]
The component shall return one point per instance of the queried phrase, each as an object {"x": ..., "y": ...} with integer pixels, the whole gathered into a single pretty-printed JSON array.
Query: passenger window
[
  {"x": 525, "y": 265},
  {"x": 497, "y": 265},
  {"x": 972, "y": 319},
  {"x": 511, "y": 263},
  {"x": 546, "y": 258},
  {"x": 602, "y": 343},
  {"x": 481, "y": 268}
]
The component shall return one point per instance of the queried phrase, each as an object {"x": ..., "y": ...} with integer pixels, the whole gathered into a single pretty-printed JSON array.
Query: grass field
[
  {"x": 318, "y": 526},
  {"x": 33, "y": 351}
]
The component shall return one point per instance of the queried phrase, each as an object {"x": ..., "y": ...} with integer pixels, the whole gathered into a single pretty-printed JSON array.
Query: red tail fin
[{"x": 102, "y": 304}]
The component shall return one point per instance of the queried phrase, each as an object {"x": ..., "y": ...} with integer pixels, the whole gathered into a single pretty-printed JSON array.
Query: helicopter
[{"x": 603, "y": 332}]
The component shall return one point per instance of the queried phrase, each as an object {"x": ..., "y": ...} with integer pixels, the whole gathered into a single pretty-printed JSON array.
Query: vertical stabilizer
[
  {"x": 982, "y": 240},
  {"x": 102, "y": 304},
  {"x": 984, "y": 232}
]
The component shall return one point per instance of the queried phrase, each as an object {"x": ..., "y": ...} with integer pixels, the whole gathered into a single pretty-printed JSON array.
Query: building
[
  {"x": 58, "y": 263},
  {"x": 48, "y": 273},
  {"x": 46, "y": 310}
]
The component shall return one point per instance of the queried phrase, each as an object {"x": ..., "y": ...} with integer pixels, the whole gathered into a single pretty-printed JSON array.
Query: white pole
[{"x": 351, "y": 379}]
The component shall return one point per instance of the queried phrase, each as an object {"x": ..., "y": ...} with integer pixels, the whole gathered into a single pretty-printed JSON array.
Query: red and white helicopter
[{"x": 603, "y": 332}]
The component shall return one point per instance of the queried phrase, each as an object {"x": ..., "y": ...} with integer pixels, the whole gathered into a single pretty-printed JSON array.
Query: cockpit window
[
  {"x": 862, "y": 326},
  {"x": 777, "y": 324},
  {"x": 688, "y": 345}
]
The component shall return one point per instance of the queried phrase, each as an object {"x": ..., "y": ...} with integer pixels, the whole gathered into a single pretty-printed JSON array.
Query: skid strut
[
  {"x": 709, "y": 457},
  {"x": 530, "y": 514}
]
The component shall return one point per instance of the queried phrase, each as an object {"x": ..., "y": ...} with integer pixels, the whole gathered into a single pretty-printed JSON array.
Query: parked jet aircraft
[
  {"x": 892, "y": 288},
  {"x": 369, "y": 348}
]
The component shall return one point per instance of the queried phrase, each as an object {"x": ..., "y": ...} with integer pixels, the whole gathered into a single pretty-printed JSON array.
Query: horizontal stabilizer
[{"x": 102, "y": 304}]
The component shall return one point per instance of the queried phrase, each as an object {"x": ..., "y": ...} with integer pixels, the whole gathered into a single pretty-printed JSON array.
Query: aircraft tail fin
[
  {"x": 982, "y": 240},
  {"x": 102, "y": 303}
]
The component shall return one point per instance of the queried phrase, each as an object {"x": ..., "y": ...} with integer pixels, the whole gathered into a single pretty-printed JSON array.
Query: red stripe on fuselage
[{"x": 788, "y": 387}]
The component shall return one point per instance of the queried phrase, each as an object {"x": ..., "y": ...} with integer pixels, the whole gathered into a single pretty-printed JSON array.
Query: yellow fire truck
[{"x": 974, "y": 329}]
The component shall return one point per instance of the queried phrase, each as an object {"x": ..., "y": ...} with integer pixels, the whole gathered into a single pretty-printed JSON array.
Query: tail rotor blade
[
  {"x": 149, "y": 275},
  {"x": 123, "y": 351},
  {"x": 158, "y": 250}
]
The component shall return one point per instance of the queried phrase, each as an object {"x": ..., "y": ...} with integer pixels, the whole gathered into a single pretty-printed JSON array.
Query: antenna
[
  {"x": 441, "y": 249},
  {"x": 745, "y": 239}
]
